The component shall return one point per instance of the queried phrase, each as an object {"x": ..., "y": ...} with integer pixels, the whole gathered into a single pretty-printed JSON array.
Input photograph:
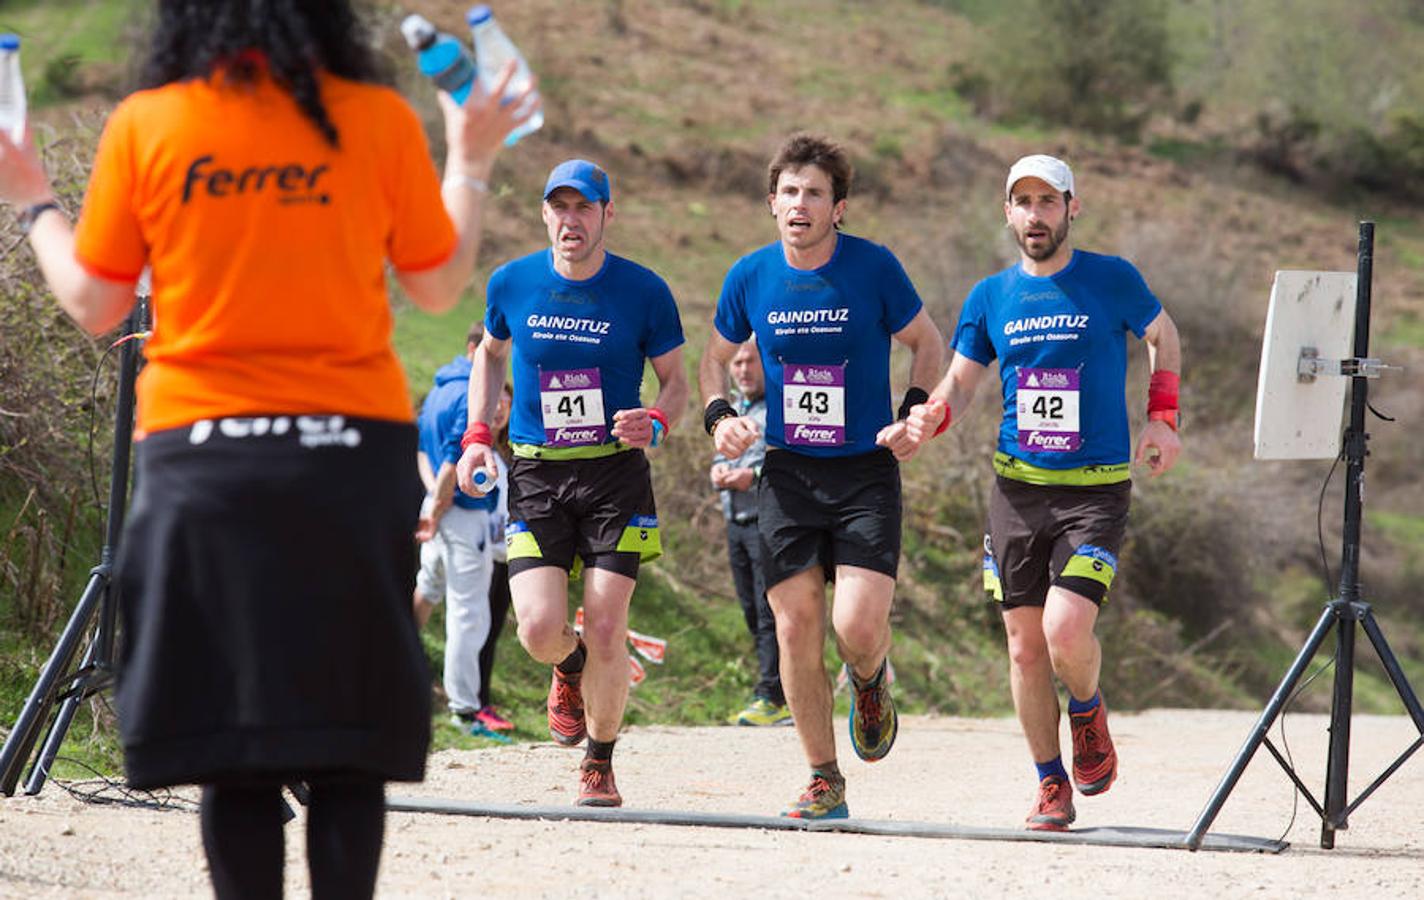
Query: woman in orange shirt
[{"x": 266, "y": 176}]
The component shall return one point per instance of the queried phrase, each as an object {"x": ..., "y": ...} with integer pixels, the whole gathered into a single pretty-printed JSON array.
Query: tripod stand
[
  {"x": 97, "y": 606},
  {"x": 1342, "y": 615}
]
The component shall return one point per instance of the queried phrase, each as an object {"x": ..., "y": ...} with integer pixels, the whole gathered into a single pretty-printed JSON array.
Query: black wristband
[
  {"x": 914, "y": 396},
  {"x": 31, "y": 213},
  {"x": 716, "y": 411}
]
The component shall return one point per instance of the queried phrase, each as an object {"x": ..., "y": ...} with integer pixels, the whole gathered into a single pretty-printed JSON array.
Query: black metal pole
[
  {"x": 99, "y": 598},
  {"x": 1338, "y": 765},
  {"x": 98, "y": 661},
  {"x": 1263, "y": 726},
  {"x": 22, "y": 736}
]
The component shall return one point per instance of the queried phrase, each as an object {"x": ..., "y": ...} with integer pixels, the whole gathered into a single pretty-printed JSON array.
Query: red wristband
[
  {"x": 658, "y": 415},
  {"x": 1162, "y": 391},
  {"x": 477, "y": 433},
  {"x": 942, "y": 425}
]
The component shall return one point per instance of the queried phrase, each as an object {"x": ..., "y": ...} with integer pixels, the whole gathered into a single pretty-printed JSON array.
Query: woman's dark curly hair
[{"x": 193, "y": 38}]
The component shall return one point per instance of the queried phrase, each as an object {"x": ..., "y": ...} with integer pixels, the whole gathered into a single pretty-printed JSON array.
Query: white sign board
[{"x": 1301, "y": 418}]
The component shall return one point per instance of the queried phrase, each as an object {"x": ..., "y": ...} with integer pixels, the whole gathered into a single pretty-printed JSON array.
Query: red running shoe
[
  {"x": 566, "y": 725},
  {"x": 492, "y": 720},
  {"x": 1054, "y": 809},
  {"x": 1094, "y": 757},
  {"x": 596, "y": 784}
]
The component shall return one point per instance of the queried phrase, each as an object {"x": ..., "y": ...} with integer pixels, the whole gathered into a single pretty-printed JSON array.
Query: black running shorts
[
  {"x": 840, "y": 511},
  {"x": 598, "y": 510},
  {"x": 1068, "y": 536}
]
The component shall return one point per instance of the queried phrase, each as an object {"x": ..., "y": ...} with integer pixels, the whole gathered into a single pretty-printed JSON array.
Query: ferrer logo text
[
  {"x": 293, "y": 182},
  {"x": 816, "y": 435},
  {"x": 577, "y": 435},
  {"x": 1049, "y": 441}
]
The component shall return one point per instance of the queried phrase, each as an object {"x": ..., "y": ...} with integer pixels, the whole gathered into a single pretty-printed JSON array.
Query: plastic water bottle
[
  {"x": 12, "y": 88},
  {"x": 441, "y": 57},
  {"x": 493, "y": 51},
  {"x": 484, "y": 480}
]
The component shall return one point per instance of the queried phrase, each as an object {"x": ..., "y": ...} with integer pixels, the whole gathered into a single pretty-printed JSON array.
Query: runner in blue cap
[{"x": 578, "y": 323}]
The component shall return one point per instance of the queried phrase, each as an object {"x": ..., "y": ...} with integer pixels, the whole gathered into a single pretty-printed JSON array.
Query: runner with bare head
[{"x": 824, "y": 307}]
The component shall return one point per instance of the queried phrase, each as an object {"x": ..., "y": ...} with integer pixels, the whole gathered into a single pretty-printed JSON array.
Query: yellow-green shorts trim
[{"x": 1018, "y": 470}]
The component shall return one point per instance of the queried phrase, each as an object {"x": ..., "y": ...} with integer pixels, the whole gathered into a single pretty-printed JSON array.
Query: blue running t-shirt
[
  {"x": 824, "y": 338},
  {"x": 1062, "y": 350},
  {"x": 579, "y": 346}
]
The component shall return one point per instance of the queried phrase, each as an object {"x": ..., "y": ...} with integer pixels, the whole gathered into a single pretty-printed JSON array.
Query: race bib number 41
[
  {"x": 572, "y": 404},
  {"x": 813, "y": 407},
  {"x": 1048, "y": 410}
]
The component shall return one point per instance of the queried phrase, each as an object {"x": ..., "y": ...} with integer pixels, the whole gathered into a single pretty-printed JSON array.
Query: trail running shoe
[
  {"x": 873, "y": 724},
  {"x": 596, "y": 785},
  {"x": 471, "y": 724},
  {"x": 1094, "y": 757},
  {"x": 1054, "y": 809},
  {"x": 566, "y": 725},
  {"x": 492, "y": 720},
  {"x": 762, "y": 712},
  {"x": 823, "y": 799}
]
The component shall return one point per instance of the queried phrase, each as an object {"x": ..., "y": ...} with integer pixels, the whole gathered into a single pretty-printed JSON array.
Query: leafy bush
[{"x": 1103, "y": 65}]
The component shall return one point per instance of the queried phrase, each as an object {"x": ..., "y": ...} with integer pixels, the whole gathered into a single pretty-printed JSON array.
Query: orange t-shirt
[{"x": 267, "y": 244}]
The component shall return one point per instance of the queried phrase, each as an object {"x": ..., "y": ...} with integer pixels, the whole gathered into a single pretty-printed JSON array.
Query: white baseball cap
[{"x": 1050, "y": 168}]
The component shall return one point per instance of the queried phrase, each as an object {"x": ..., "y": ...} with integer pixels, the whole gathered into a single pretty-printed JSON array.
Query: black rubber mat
[{"x": 1160, "y": 838}]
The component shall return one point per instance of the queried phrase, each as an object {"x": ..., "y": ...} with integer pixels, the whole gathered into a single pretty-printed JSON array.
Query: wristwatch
[{"x": 30, "y": 214}]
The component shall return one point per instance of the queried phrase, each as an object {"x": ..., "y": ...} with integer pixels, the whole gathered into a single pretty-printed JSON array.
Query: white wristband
[{"x": 477, "y": 185}]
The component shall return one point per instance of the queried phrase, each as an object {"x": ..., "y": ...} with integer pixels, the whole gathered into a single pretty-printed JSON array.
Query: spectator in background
[
  {"x": 736, "y": 480},
  {"x": 458, "y": 535}
]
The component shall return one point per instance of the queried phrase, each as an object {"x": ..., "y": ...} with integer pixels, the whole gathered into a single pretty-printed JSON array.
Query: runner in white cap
[{"x": 1057, "y": 323}]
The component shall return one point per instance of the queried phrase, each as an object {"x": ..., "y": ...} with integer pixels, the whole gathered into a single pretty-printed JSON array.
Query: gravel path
[{"x": 962, "y": 772}]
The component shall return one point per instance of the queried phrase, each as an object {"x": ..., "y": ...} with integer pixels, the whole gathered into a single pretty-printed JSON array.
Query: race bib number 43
[
  {"x": 1048, "y": 410},
  {"x": 572, "y": 404},
  {"x": 813, "y": 405}
]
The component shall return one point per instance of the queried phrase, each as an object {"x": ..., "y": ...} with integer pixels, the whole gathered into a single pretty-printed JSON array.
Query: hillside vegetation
[{"x": 1214, "y": 143}]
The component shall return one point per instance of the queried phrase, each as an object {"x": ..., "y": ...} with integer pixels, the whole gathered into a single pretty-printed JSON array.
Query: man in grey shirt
[{"x": 736, "y": 481}]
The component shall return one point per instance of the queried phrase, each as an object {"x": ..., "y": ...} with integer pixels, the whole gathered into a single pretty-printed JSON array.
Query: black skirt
[{"x": 265, "y": 578}]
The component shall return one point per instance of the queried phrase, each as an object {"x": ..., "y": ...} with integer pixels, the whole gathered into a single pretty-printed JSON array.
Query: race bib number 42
[
  {"x": 1048, "y": 410},
  {"x": 813, "y": 405},
  {"x": 572, "y": 404}
]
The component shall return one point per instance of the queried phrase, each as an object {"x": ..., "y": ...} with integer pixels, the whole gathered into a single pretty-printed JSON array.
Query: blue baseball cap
[{"x": 580, "y": 174}]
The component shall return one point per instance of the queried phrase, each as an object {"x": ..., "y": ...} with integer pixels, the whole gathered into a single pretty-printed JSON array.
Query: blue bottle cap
[
  {"x": 484, "y": 481},
  {"x": 478, "y": 14},
  {"x": 12, "y": 41}
]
